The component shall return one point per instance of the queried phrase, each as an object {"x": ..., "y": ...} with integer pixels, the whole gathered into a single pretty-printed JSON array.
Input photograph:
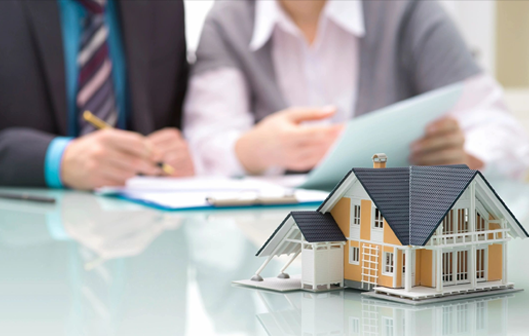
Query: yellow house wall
[
  {"x": 365, "y": 220},
  {"x": 389, "y": 235},
  {"x": 342, "y": 214},
  {"x": 495, "y": 262},
  {"x": 352, "y": 272},
  {"x": 425, "y": 268}
]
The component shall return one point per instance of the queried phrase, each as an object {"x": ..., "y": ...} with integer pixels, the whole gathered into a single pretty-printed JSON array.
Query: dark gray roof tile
[
  {"x": 317, "y": 227},
  {"x": 414, "y": 200}
]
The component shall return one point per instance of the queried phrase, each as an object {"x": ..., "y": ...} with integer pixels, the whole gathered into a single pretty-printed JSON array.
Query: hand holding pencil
[
  {"x": 109, "y": 157},
  {"x": 100, "y": 124}
]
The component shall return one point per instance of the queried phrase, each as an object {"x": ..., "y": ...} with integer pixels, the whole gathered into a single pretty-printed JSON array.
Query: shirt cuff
[{"x": 52, "y": 164}]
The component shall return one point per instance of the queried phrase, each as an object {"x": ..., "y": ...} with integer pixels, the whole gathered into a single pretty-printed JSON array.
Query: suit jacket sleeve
[{"x": 22, "y": 157}]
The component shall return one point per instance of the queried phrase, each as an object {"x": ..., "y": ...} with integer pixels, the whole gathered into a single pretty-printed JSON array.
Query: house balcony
[{"x": 466, "y": 238}]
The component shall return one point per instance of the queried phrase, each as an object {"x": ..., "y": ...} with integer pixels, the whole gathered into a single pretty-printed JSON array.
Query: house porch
[{"x": 421, "y": 293}]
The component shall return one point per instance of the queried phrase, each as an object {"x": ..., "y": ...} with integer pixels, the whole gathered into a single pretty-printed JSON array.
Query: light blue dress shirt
[{"x": 72, "y": 14}]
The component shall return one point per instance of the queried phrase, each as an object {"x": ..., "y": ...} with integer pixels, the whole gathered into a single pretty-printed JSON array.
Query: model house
[{"x": 413, "y": 232}]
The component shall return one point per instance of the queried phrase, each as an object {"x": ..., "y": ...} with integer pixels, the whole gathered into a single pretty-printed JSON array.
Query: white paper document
[
  {"x": 390, "y": 130},
  {"x": 192, "y": 193}
]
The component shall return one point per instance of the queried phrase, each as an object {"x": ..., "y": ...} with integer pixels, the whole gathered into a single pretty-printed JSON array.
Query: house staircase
[{"x": 370, "y": 256}]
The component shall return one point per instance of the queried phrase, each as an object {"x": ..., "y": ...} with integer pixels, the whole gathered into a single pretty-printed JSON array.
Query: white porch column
[
  {"x": 407, "y": 274},
  {"x": 504, "y": 263},
  {"x": 395, "y": 269},
  {"x": 472, "y": 266},
  {"x": 439, "y": 272}
]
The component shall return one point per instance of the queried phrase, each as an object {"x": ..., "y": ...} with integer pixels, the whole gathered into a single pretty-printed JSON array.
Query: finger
[
  {"x": 165, "y": 135},
  {"x": 442, "y": 157},
  {"x": 442, "y": 126},
  {"x": 448, "y": 140},
  {"x": 170, "y": 147},
  {"x": 177, "y": 157},
  {"x": 116, "y": 174},
  {"x": 298, "y": 115},
  {"x": 307, "y": 135},
  {"x": 130, "y": 142},
  {"x": 307, "y": 157},
  {"x": 132, "y": 164},
  {"x": 184, "y": 169}
]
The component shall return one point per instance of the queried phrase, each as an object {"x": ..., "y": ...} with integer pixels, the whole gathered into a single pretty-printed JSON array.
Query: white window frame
[
  {"x": 484, "y": 272},
  {"x": 356, "y": 218},
  {"x": 379, "y": 220},
  {"x": 352, "y": 250},
  {"x": 386, "y": 266}
]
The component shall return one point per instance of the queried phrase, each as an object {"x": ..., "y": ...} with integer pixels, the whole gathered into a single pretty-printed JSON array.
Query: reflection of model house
[
  {"x": 338, "y": 314},
  {"x": 414, "y": 232}
]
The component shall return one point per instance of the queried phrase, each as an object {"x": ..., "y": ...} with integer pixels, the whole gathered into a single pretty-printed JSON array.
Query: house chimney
[{"x": 379, "y": 160}]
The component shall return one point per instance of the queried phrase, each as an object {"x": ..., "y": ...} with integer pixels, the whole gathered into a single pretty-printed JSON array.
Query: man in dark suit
[{"x": 125, "y": 61}]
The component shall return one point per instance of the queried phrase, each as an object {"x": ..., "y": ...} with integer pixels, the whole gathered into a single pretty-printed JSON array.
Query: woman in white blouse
[{"x": 274, "y": 82}]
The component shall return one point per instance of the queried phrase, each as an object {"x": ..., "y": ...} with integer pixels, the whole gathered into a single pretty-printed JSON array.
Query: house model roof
[
  {"x": 413, "y": 200},
  {"x": 315, "y": 226},
  {"x": 318, "y": 227}
]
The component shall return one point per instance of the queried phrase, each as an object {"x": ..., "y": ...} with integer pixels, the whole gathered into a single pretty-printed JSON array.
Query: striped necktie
[{"x": 95, "y": 86}]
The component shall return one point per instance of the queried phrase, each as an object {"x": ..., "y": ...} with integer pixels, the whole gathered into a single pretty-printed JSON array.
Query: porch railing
[{"x": 463, "y": 238}]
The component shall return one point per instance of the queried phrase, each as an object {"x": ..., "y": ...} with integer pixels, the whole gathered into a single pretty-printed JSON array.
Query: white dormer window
[{"x": 379, "y": 220}]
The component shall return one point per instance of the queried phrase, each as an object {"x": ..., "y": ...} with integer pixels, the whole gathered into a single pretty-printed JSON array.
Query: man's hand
[
  {"x": 280, "y": 140},
  {"x": 174, "y": 150},
  {"x": 442, "y": 144},
  {"x": 107, "y": 158}
]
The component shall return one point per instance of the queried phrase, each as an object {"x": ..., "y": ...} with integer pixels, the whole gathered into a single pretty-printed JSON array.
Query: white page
[
  {"x": 197, "y": 184},
  {"x": 390, "y": 130},
  {"x": 197, "y": 199},
  {"x": 188, "y": 193}
]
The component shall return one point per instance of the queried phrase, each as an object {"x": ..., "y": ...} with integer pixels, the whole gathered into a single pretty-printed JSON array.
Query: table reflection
[
  {"x": 122, "y": 269},
  {"x": 348, "y": 313}
]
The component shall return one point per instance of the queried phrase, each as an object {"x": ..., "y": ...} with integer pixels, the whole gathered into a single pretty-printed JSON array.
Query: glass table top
[{"x": 91, "y": 265}]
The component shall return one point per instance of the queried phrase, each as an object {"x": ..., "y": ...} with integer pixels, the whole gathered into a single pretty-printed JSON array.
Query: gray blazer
[
  {"x": 410, "y": 47},
  {"x": 33, "y": 107}
]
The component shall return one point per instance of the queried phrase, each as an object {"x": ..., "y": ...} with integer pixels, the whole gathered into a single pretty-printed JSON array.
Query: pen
[
  {"x": 27, "y": 197},
  {"x": 100, "y": 124}
]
